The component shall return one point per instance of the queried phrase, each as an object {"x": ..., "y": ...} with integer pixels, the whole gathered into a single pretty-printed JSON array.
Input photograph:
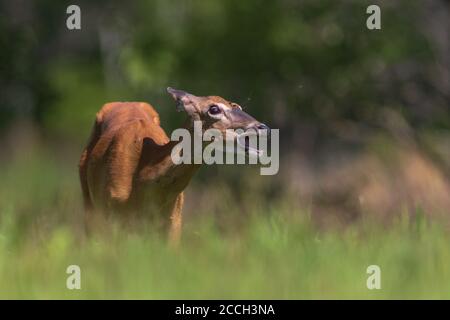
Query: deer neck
[{"x": 163, "y": 170}]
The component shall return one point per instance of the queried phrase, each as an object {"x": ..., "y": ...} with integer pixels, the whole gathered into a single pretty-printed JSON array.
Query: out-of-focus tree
[{"x": 296, "y": 64}]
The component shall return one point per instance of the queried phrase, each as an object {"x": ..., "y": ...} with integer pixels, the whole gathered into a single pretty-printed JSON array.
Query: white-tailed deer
[{"x": 127, "y": 168}]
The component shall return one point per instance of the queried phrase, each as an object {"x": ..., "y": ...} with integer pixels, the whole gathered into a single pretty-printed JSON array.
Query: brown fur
[
  {"x": 128, "y": 159},
  {"x": 126, "y": 170}
]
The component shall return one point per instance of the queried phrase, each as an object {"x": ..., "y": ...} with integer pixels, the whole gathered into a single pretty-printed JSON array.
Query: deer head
[{"x": 215, "y": 112}]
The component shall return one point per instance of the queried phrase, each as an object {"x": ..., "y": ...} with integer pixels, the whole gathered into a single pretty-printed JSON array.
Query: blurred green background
[{"x": 364, "y": 142}]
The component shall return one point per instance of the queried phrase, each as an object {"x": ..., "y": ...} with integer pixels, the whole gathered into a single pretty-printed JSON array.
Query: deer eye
[{"x": 214, "y": 109}]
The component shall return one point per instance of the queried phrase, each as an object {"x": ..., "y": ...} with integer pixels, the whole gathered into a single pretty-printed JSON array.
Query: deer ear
[{"x": 185, "y": 101}]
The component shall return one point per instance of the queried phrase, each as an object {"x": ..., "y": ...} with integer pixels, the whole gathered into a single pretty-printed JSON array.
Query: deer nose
[{"x": 262, "y": 126}]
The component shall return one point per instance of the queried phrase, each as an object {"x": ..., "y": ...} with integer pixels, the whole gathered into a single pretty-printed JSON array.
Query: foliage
[{"x": 289, "y": 62}]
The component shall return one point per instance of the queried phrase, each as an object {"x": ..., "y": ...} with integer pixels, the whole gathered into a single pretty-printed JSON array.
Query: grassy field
[{"x": 273, "y": 253}]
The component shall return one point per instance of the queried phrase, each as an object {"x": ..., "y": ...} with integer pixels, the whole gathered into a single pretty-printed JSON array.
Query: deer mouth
[{"x": 248, "y": 141}]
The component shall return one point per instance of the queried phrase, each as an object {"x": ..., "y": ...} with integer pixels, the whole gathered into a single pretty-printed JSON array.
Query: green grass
[
  {"x": 271, "y": 258},
  {"x": 273, "y": 252}
]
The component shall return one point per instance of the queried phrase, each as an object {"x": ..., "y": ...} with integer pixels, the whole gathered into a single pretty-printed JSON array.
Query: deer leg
[
  {"x": 94, "y": 222},
  {"x": 176, "y": 220},
  {"x": 89, "y": 214},
  {"x": 83, "y": 174}
]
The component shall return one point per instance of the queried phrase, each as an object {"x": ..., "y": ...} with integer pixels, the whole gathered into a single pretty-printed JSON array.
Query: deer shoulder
[{"x": 122, "y": 128}]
